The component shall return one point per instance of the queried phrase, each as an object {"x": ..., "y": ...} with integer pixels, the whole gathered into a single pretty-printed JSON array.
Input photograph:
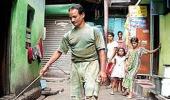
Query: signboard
[
  {"x": 136, "y": 22},
  {"x": 137, "y": 11}
]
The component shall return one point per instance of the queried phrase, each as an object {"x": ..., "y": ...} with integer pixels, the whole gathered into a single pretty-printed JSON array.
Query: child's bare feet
[
  {"x": 111, "y": 93},
  {"x": 116, "y": 90}
]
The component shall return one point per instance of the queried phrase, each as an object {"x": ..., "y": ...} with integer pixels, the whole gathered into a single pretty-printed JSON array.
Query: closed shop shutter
[{"x": 56, "y": 27}]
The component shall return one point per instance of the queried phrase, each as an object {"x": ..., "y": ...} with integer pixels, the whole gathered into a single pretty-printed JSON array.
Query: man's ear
[{"x": 83, "y": 15}]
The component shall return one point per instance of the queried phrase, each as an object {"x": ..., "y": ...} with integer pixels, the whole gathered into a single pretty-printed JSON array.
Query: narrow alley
[
  {"x": 31, "y": 31},
  {"x": 58, "y": 89}
]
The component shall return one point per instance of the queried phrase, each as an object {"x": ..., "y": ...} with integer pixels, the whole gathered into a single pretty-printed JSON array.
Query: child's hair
[
  {"x": 110, "y": 33},
  {"x": 134, "y": 39},
  {"x": 123, "y": 51},
  {"x": 119, "y": 32}
]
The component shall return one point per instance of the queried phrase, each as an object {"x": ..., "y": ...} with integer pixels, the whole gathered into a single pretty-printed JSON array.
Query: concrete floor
[{"x": 62, "y": 86}]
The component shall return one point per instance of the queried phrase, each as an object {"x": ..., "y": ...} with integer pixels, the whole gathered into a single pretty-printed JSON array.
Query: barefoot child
[
  {"x": 133, "y": 62},
  {"x": 118, "y": 72}
]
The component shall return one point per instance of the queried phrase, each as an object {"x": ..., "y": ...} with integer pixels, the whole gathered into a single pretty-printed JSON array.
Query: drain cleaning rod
[
  {"x": 27, "y": 87},
  {"x": 137, "y": 2},
  {"x": 63, "y": 71}
]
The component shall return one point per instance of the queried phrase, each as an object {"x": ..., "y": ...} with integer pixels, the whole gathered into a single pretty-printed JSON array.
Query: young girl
[
  {"x": 118, "y": 72},
  {"x": 111, "y": 52},
  {"x": 133, "y": 62},
  {"x": 111, "y": 46},
  {"x": 121, "y": 41}
]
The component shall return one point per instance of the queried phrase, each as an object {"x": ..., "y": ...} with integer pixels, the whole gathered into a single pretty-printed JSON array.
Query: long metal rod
[
  {"x": 138, "y": 3},
  {"x": 63, "y": 71},
  {"x": 27, "y": 87}
]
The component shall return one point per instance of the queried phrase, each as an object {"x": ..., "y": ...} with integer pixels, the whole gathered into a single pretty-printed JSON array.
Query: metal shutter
[{"x": 56, "y": 27}]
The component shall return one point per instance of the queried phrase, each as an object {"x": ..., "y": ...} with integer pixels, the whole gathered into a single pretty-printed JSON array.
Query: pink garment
[{"x": 122, "y": 44}]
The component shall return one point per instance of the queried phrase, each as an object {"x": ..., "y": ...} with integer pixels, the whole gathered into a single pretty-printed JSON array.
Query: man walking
[{"x": 88, "y": 56}]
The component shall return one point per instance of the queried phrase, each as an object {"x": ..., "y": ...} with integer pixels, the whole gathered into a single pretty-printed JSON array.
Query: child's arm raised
[{"x": 153, "y": 51}]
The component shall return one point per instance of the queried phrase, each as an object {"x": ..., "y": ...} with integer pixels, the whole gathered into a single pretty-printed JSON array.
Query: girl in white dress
[{"x": 118, "y": 72}]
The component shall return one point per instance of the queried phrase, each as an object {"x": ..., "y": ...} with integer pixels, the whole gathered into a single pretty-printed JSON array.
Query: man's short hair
[{"x": 78, "y": 7}]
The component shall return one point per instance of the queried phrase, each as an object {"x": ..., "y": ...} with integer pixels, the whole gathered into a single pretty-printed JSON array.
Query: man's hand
[
  {"x": 102, "y": 76},
  {"x": 43, "y": 70},
  {"x": 109, "y": 61}
]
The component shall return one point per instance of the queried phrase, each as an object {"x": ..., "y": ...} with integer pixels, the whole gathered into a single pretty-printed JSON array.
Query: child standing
[
  {"x": 133, "y": 62},
  {"x": 118, "y": 72},
  {"x": 111, "y": 52},
  {"x": 121, "y": 41},
  {"x": 111, "y": 46}
]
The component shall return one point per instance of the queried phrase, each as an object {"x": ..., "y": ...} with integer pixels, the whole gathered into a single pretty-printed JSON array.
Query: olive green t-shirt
[{"x": 83, "y": 43}]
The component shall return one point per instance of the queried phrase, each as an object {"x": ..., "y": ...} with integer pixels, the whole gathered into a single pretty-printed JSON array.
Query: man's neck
[{"x": 81, "y": 25}]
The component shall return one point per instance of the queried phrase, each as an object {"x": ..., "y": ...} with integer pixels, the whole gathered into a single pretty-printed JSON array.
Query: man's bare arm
[
  {"x": 53, "y": 58},
  {"x": 102, "y": 61}
]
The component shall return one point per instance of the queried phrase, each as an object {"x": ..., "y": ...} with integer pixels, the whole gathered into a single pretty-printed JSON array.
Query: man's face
[{"x": 75, "y": 17}]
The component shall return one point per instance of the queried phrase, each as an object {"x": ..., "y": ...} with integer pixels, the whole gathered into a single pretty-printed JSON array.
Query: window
[{"x": 30, "y": 18}]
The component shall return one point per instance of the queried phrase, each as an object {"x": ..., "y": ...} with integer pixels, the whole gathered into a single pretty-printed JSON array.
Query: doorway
[
  {"x": 155, "y": 45},
  {"x": 4, "y": 46}
]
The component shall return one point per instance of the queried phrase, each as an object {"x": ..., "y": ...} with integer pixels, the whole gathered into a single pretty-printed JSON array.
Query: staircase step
[{"x": 143, "y": 87}]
